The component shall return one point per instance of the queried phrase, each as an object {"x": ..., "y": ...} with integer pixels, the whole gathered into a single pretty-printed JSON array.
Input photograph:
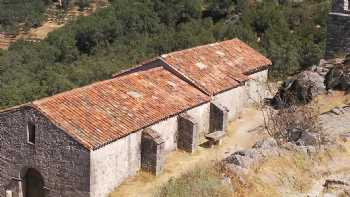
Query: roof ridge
[
  {"x": 192, "y": 82},
  {"x": 35, "y": 102},
  {"x": 196, "y": 47}
]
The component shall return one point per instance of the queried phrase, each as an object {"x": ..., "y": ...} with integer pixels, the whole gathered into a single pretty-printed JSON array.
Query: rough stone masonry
[
  {"x": 338, "y": 35},
  {"x": 63, "y": 163}
]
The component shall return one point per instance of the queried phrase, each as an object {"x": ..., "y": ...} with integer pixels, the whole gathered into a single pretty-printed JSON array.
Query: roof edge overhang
[
  {"x": 150, "y": 124},
  {"x": 259, "y": 69},
  {"x": 33, "y": 106},
  {"x": 15, "y": 108},
  {"x": 230, "y": 88},
  {"x": 81, "y": 142}
]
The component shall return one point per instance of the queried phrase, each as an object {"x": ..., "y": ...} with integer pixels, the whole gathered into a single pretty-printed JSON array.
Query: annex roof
[
  {"x": 219, "y": 66},
  {"x": 105, "y": 111}
]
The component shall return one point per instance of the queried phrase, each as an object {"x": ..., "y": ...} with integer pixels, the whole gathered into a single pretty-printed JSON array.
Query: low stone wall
[{"x": 61, "y": 161}]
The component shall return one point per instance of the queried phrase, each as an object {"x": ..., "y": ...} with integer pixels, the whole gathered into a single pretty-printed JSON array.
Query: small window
[{"x": 31, "y": 133}]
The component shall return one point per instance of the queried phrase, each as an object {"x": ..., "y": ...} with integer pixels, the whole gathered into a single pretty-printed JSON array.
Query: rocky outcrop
[
  {"x": 338, "y": 78},
  {"x": 297, "y": 140},
  {"x": 299, "y": 90},
  {"x": 328, "y": 75},
  {"x": 339, "y": 186}
]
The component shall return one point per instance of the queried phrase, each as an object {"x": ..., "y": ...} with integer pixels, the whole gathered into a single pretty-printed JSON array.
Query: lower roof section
[{"x": 103, "y": 112}]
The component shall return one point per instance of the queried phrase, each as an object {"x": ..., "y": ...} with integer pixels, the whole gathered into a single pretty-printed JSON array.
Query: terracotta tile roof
[
  {"x": 103, "y": 112},
  {"x": 219, "y": 66}
]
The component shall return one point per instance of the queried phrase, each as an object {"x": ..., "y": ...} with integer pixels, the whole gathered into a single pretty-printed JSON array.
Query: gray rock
[
  {"x": 243, "y": 159},
  {"x": 322, "y": 62},
  {"x": 314, "y": 80},
  {"x": 226, "y": 180},
  {"x": 337, "y": 111},
  {"x": 310, "y": 139},
  {"x": 266, "y": 143},
  {"x": 290, "y": 146},
  {"x": 338, "y": 78},
  {"x": 294, "y": 134},
  {"x": 302, "y": 89},
  {"x": 345, "y": 137}
]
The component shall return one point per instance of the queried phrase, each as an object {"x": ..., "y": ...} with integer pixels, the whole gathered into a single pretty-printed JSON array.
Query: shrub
[{"x": 200, "y": 182}]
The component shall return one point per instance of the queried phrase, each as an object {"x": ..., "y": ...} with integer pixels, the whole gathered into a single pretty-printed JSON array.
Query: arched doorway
[{"x": 34, "y": 184}]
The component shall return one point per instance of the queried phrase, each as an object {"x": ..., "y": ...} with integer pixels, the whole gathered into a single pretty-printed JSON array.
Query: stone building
[
  {"x": 338, "y": 35},
  {"x": 87, "y": 141}
]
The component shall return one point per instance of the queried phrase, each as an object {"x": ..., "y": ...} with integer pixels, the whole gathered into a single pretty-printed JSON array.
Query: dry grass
[
  {"x": 293, "y": 173},
  {"x": 335, "y": 99},
  {"x": 203, "y": 181}
]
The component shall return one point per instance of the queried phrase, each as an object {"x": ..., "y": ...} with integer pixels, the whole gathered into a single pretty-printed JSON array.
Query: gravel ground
[{"x": 332, "y": 122}]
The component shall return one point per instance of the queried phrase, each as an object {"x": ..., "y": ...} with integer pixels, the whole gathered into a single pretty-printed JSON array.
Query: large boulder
[
  {"x": 303, "y": 138},
  {"x": 309, "y": 139},
  {"x": 312, "y": 80},
  {"x": 338, "y": 77},
  {"x": 300, "y": 90}
]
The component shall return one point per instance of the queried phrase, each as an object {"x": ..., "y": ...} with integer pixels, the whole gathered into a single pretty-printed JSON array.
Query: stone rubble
[{"x": 305, "y": 142}]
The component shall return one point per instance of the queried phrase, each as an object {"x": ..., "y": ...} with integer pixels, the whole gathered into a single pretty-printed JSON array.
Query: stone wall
[
  {"x": 168, "y": 131},
  {"x": 152, "y": 152},
  {"x": 338, "y": 35},
  {"x": 63, "y": 163},
  {"x": 218, "y": 120},
  {"x": 200, "y": 114},
  {"x": 257, "y": 87},
  {"x": 236, "y": 99},
  {"x": 338, "y": 31},
  {"x": 187, "y": 139},
  {"x": 113, "y": 163},
  {"x": 339, "y": 6}
]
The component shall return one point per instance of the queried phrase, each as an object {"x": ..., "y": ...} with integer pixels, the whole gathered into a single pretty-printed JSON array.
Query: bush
[
  {"x": 200, "y": 182},
  {"x": 281, "y": 124}
]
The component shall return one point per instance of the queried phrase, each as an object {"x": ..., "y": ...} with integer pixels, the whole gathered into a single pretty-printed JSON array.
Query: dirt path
[
  {"x": 242, "y": 134},
  {"x": 40, "y": 33}
]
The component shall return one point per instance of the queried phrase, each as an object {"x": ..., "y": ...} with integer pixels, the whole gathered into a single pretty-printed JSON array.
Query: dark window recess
[{"x": 31, "y": 133}]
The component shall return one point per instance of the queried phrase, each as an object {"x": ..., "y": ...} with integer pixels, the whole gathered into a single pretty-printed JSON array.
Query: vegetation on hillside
[
  {"x": 129, "y": 32},
  {"x": 26, "y": 12},
  {"x": 16, "y": 14}
]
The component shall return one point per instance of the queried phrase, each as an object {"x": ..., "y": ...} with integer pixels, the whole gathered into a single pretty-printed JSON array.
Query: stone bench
[{"x": 215, "y": 138}]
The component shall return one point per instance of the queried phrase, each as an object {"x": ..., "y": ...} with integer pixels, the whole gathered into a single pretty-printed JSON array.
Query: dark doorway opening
[
  {"x": 152, "y": 152},
  {"x": 34, "y": 184},
  {"x": 218, "y": 118},
  {"x": 187, "y": 133}
]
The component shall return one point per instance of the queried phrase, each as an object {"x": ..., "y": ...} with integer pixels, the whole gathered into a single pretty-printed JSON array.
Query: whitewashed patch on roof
[
  {"x": 172, "y": 84},
  {"x": 220, "y": 53},
  {"x": 201, "y": 66},
  {"x": 134, "y": 94}
]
